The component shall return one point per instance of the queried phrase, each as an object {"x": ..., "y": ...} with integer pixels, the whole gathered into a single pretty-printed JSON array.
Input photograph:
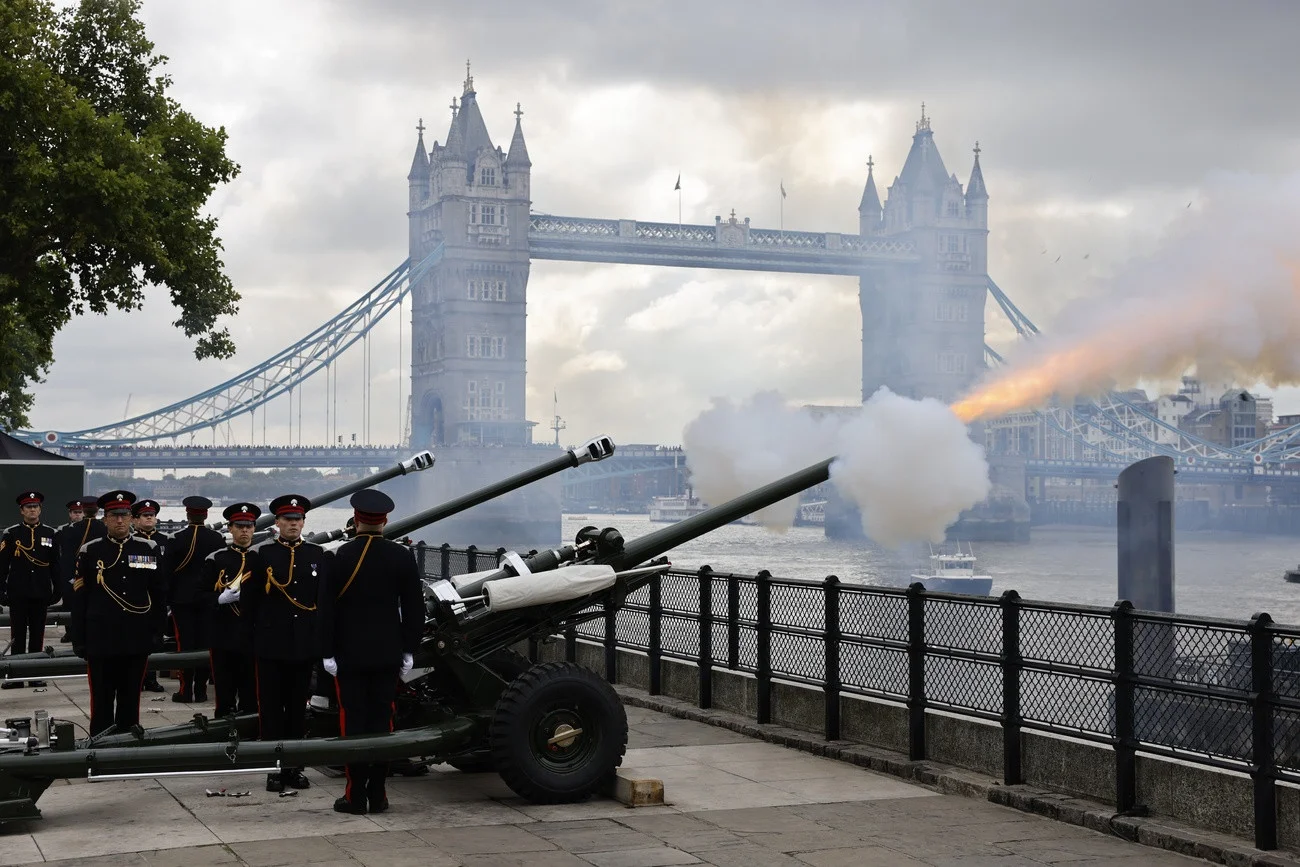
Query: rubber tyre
[{"x": 533, "y": 708}]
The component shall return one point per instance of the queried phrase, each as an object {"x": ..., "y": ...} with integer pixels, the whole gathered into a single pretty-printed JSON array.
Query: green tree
[{"x": 102, "y": 179}]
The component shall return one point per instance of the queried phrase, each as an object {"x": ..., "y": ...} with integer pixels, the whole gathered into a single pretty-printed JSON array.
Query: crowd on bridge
[{"x": 284, "y": 621}]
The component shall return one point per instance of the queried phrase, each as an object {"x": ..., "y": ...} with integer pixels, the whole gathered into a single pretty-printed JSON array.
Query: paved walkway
[{"x": 732, "y": 801}]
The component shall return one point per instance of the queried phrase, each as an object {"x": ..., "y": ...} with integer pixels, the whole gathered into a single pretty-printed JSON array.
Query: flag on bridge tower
[
  {"x": 783, "y": 188},
  {"x": 678, "y": 185}
]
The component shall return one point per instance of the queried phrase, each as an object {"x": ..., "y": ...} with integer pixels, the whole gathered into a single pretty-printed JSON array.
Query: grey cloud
[{"x": 1104, "y": 103}]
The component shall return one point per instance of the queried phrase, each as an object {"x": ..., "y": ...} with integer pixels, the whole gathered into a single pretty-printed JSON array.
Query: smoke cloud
[
  {"x": 1221, "y": 295},
  {"x": 909, "y": 465}
]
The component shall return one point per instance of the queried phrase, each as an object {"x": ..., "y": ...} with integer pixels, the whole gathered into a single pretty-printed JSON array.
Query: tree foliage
[{"x": 102, "y": 180}]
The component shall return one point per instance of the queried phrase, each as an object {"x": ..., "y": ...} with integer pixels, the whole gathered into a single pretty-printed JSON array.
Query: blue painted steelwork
[{"x": 279, "y": 374}]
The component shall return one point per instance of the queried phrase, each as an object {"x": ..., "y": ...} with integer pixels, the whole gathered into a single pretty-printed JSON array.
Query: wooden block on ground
[{"x": 635, "y": 789}]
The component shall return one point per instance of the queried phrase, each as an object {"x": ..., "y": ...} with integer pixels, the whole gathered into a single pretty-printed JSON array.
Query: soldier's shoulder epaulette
[
  {"x": 150, "y": 542},
  {"x": 262, "y": 544},
  {"x": 11, "y": 528},
  {"x": 213, "y": 555},
  {"x": 86, "y": 547}
]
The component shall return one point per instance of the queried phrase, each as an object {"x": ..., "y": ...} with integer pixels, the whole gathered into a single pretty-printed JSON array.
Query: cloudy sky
[{"x": 1100, "y": 123}]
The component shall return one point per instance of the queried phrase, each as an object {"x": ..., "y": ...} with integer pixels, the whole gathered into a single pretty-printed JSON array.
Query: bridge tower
[
  {"x": 923, "y": 322},
  {"x": 468, "y": 326}
]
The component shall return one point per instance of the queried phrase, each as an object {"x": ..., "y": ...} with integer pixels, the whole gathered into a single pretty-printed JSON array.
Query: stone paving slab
[{"x": 730, "y": 801}]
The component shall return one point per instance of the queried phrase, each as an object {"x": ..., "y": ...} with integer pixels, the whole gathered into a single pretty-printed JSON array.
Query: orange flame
[{"x": 1143, "y": 342}]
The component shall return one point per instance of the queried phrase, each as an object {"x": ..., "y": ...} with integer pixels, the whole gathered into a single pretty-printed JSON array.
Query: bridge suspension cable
[{"x": 278, "y": 375}]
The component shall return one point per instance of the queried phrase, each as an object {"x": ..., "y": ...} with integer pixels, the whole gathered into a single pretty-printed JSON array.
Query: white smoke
[
  {"x": 909, "y": 465},
  {"x": 732, "y": 449},
  {"x": 1220, "y": 295}
]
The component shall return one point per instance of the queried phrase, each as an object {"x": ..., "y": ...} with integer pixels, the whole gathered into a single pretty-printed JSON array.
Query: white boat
[
  {"x": 955, "y": 573},
  {"x": 670, "y": 510}
]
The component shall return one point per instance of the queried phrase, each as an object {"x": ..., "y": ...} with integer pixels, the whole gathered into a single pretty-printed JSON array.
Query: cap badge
[{"x": 294, "y": 501}]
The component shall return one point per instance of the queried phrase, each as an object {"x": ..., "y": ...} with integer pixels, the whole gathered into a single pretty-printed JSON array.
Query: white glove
[
  {"x": 230, "y": 594},
  {"x": 332, "y": 666},
  {"x": 407, "y": 662}
]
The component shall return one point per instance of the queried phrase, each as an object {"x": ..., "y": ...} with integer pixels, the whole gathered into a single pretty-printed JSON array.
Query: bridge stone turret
[
  {"x": 923, "y": 321},
  {"x": 468, "y": 326}
]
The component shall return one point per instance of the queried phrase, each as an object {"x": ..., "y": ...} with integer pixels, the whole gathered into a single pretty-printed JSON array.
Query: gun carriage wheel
[{"x": 558, "y": 734}]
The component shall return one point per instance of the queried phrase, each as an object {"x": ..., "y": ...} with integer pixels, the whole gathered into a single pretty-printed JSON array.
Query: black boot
[
  {"x": 274, "y": 783},
  {"x": 357, "y": 806},
  {"x": 151, "y": 683},
  {"x": 294, "y": 778},
  {"x": 12, "y": 684}
]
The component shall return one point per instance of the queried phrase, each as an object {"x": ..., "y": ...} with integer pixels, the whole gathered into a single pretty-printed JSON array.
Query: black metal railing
[{"x": 1213, "y": 692}]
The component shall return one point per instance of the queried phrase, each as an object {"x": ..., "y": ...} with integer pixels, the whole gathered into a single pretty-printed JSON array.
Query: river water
[{"x": 1216, "y": 574}]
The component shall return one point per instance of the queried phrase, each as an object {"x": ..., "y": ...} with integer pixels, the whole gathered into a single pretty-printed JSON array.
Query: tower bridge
[{"x": 919, "y": 257}]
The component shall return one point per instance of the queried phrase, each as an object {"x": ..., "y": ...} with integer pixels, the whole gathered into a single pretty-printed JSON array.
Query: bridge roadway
[
  {"x": 627, "y": 460},
  {"x": 729, "y": 244}
]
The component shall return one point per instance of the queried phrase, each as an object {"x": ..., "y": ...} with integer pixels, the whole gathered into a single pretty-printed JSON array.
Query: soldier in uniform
[
  {"x": 186, "y": 552},
  {"x": 74, "y": 513},
  {"x": 82, "y": 526},
  {"x": 73, "y": 535},
  {"x": 224, "y": 573},
  {"x": 29, "y": 578},
  {"x": 281, "y": 607},
  {"x": 144, "y": 524},
  {"x": 118, "y": 607},
  {"x": 371, "y": 617}
]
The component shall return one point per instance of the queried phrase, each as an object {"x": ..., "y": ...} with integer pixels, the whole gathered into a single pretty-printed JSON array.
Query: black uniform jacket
[
  {"x": 158, "y": 537},
  {"x": 371, "y": 607},
  {"x": 280, "y": 601},
  {"x": 70, "y": 538},
  {"x": 227, "y": 629},
  {"x": 119, "y": 598},
  {"x": 29, "y": 564},
  {"x": 186, "y": 551}
]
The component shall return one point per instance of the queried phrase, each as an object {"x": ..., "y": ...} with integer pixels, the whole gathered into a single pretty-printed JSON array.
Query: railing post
[
  {"x": 611, "y": 641},
  {"x": 655, "y": 651},
  {"x": 1011, "y": 668},
  {"x": 916, "y": 672},
  {"x": 1125, "y": 690},
  {"x": 501, "y": 553},
  {"x": 1263, "y": 770},
  {"x": 445, "y": 550},
  {"x": 420, "y": 558},
  {"x": 733, "y": 621},
  {"x": 471, "y": 558},
  {"x": 705, "y": 661},
  {"x": 763, "y": 673},
  {"x": 831, "y": 684}
]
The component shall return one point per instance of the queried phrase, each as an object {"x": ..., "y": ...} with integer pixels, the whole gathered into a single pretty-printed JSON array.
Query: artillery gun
[{"x": 555, "y": 732}]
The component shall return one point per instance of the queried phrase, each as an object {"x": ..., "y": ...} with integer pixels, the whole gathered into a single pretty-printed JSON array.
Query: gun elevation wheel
[{"x": 558, "y": 733}]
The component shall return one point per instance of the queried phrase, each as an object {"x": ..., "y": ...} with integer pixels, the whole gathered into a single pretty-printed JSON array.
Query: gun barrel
[
  {"x": 51, "y": 617},
  {"x": 255, "y": 755},
  {"x": 596, "y": 449},
  {"x": 652, "y": 545},
  {"x": 33, "y": 667},
  {"x": 419, "y": 461}
]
